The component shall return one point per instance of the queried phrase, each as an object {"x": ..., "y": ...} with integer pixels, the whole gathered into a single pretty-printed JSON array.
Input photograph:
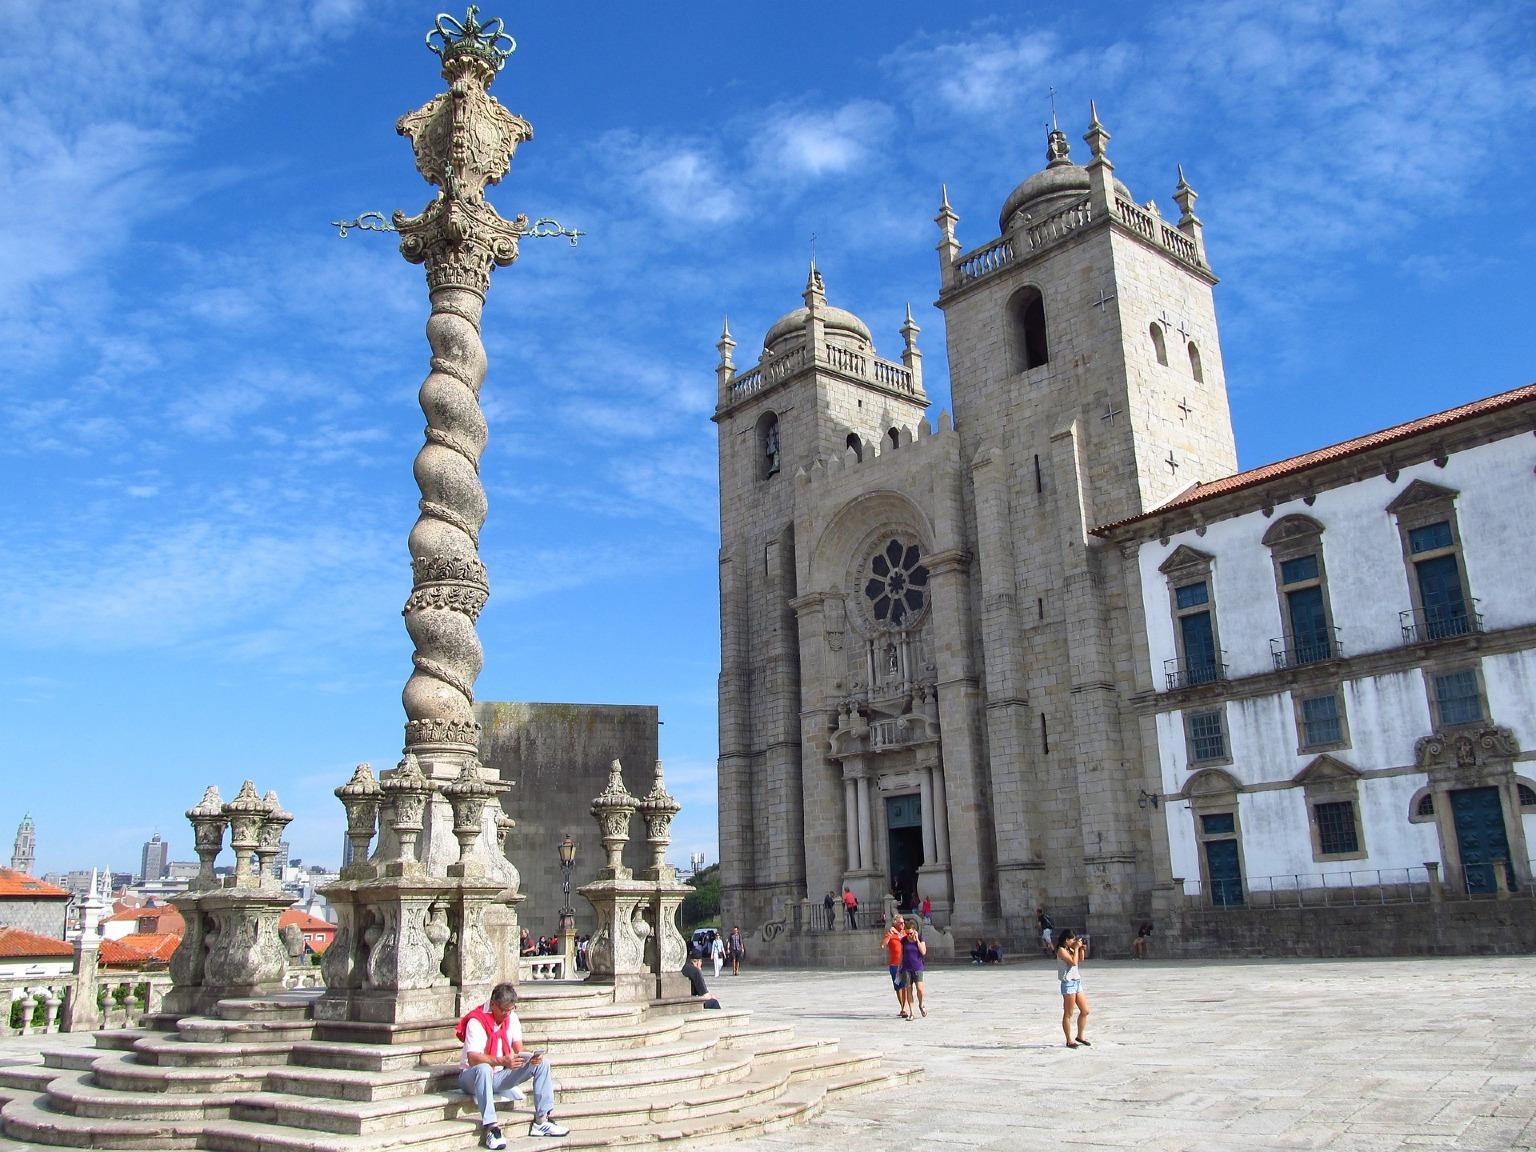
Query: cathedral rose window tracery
[{"x": 897, "y": 585}]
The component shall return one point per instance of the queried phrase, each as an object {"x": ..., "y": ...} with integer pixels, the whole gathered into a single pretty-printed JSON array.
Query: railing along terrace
[
  {"x": 768, "y": 371},
  {"x": 1289, "y": 652},
  {"x": 1138, "y": 221},
  {"x": 1191, "y": 673},
  {"x": 1357, "y": 887},
  {"x": 893, "y": 375},
  {"x": 1059, "y": 224},
  {"x": 1179, "y": 244},
  {"x": 1420, "y": 627},
  {"x": 985, "y": 261}
]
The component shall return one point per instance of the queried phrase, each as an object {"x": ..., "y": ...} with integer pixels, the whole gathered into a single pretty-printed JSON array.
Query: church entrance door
[{"x": 904, "y": 845}]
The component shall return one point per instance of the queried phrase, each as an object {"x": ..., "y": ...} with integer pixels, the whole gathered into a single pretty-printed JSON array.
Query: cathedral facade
[{"x": 935, "y": 657}]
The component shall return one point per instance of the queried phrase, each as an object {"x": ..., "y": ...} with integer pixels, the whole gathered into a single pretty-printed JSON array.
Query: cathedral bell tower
[
  {"x": 24, "y": 851},
  {"x": 818, "y": 391}
]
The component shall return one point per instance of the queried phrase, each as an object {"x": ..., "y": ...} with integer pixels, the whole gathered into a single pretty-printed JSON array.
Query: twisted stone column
[{"x": 464, "y": 140}]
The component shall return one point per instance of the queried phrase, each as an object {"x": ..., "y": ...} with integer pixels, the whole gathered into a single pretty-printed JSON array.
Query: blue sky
[{"x": 209, "y": 399}]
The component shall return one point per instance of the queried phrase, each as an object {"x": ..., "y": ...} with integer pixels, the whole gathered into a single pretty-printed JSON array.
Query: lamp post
[{"x": 567, "y": 850}]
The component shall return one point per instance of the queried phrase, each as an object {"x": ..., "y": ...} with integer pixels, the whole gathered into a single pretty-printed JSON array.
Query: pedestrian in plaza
[
  {"x": 738, "y": 950},
  {"x": 927, "y": 908},
  {"x": 829, "y": 906},
  {"x": 1143, "y": 938},
  {"x": 716, "y": 952},
  {"x": 1046, "y": 926},
  {"x": 891, "y": 942},
  {"x": 913, "y": 949},
  {"x": 1070, "y": 952},
  {"x": 851, "y": 907}
]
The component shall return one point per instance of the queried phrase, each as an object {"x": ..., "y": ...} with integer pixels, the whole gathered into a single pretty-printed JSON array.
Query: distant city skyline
[{"x": 210, "y": 397}]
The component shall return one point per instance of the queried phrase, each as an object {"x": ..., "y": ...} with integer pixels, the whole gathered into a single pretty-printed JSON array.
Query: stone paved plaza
[{"x": 1365, "y": 1055}]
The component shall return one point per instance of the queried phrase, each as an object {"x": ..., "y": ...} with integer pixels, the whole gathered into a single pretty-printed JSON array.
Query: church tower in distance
[{"x": 24, "y": 852}]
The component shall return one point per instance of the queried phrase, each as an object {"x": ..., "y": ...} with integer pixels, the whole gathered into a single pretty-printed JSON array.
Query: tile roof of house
[
  {"x": 304, "y": 921},
  {"x": 19, "y": 944},
  {"x": 18, "y": 884},
  {"x": 1255, "y": 476},
  {"x": 116, "y": 954},
  {"x": 165, "y": 916},
  {"x": 156, "y": 946}
]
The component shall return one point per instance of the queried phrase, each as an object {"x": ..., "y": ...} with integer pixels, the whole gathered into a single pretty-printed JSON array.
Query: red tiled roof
[
  {"x": 304, "y": 921},
  {"x": 165, "y": 916},
  {"x": 1254, "y": 476},
  {"x": 19, "y": 944},
  {"x": 13, "y": 884},
  {"x": 116, "y": 954},
  {"x": 156, "y": 946}
]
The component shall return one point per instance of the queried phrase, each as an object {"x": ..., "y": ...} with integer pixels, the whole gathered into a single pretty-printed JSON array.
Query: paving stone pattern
[{"x": 1364, "y": 1055}]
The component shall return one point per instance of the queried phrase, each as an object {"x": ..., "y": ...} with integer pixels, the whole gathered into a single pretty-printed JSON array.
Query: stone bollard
[
  {"x": 1500, "y": 880},
  {"x": 1432, "y": 871}
]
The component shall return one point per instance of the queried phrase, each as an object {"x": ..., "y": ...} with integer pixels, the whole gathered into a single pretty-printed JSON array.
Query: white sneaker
[
  {"x": 510, "y": 1096},
  {"x": 494, "y": 1138},
  {"x": 547, "y": 1127}
]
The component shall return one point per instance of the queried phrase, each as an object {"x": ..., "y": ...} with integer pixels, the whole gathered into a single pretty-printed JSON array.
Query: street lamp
[{"x": 567, "y": 848}]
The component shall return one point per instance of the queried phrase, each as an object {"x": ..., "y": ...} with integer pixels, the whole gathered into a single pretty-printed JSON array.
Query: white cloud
[{"x": 820, "y": 142}]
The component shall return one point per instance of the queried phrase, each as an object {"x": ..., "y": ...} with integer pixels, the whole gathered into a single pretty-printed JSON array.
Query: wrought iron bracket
[{"x": 542, "y": 228}]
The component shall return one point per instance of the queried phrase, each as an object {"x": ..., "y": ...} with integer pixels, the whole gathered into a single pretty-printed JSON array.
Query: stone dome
[
  {"x": 1059, "y": 184},
  {"x": 791, "y": 326}
]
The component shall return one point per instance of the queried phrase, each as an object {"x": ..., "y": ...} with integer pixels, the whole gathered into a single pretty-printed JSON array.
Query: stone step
[
  {"x": 76, "y": 1094},
  {"x": 124, "y": 1072},
  {"x": 119, "y": 1039},
  {"x": 290, "y": 1006},
  {"x": 349, "y": 1084},
  {"x": 27, "y": 1077},
  {"x": 171, "y": 1050},
  {"x": 371, "y": 1057},
  {"x": 204, "y": 1030},
  {"x": 71, "y": 1058},
  {"x": 29, "y": 1119}
]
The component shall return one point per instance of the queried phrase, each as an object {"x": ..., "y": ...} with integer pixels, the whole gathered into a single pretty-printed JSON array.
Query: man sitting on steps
[{"x": 493, "y": 1064}]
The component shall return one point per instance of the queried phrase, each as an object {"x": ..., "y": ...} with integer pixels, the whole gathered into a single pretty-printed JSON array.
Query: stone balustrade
[
  {"x": 541, "y": 968},
  {"x": 772, "y": 369},
  {"x": 999, "y": 254}
]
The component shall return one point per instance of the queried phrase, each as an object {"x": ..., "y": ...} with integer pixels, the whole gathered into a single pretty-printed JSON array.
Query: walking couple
[{"x": 904, "y": 953}]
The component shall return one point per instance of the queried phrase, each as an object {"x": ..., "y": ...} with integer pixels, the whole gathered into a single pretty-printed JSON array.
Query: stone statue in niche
[
  {"x": 892, "y": 660},
  {"x": 771, "y": 447}
]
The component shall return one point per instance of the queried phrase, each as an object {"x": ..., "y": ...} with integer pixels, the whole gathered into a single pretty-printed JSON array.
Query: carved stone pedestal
[
  {"x": 410, "y": 950},
  {"x": 628, "y": 951},
  {"x": 230, "y": 948}
]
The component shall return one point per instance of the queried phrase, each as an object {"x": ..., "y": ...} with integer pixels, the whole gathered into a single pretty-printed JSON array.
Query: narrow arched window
[
  {"x": 856, "y": 444},
  {"x": 1194, "y": 364},
  {"x": 1158, "y": 344},
  {"x": 1026, "y": 326},
  {"x": 768, "y": 446},
  {"x": 895, "y": 437}
]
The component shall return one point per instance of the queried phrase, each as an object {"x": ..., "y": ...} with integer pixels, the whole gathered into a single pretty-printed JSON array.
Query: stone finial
[
  {"x": 1185, "y": 196},
  {"x": 612, "y": 810},
  {"x": 467, "y": 796},
  {"x": 726, "y": 344},
  {"x": 657, "y": 810},
  {"x": 408, "y": 790},
  {"x": 1097, "y": 137},
  {"x": 245, "y": 813},
  {"x": 208, "y": 824},
  {"x": 1058, "y": 150},
  {"x": 949, "y": 246},
  {"x": 909, "y": 329},
  {"x": 360, "y": 797},
  {"x": 815, "y": 294},
  {"x": 270, "y": 837}
]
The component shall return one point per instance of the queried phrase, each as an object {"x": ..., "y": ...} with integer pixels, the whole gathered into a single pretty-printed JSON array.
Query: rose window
[{"x": 897, "y": 587}]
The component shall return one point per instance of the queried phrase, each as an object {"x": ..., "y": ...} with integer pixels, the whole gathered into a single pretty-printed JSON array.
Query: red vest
[{"x": 495, "y": 1034}]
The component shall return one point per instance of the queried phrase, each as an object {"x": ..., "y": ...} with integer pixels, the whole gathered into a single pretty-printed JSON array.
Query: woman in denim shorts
[{"x": 1070, "y": 951}]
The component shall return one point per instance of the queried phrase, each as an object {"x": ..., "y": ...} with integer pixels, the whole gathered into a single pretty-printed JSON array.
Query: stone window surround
[
  {"x": 1185, "y": 566},
  {"x": 1189, "y": 741},
  {"x": 1331, "y": 781},
  {"x": 1292, "y": 538},
  {"x": 1302, "y": 747},
  {"x": 1211, "y": 792},
  {"x": 1159, "y": 343},
  {"x": 1418, "y": 506},
  {"x": 1443, "y": 665},
  {"x": 1492, "y": 765}
]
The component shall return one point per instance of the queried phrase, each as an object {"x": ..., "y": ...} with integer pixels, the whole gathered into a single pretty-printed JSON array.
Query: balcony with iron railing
[
  {"x": 1192, "y": 673},
  {"x": 1291, "y": 652},
  {"x": 1423, "y": 627}
]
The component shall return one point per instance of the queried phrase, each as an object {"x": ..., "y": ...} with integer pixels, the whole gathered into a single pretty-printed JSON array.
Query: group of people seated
[
  {"x": 543, "y": 946},
  {"x": 985, "y": 953}
]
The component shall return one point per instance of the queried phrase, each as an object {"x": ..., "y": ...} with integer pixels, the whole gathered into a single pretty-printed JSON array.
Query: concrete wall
[{"x": 556, "y": 758}]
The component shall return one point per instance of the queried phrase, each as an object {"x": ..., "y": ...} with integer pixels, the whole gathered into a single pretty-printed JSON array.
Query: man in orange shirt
[{"x": 892, "y": 944}]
